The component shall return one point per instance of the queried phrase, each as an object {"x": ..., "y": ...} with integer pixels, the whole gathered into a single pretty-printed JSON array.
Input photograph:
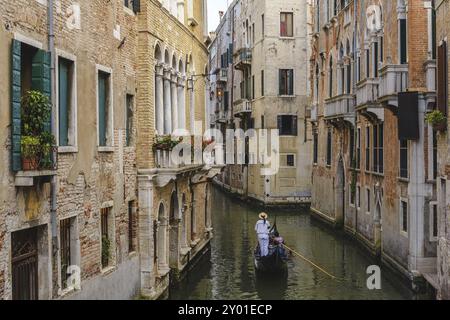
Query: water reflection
[{"x": 228, "y": 273}]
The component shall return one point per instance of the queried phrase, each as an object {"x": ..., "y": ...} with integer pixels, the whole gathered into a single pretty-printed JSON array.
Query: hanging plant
[
  {"x": 166, "y": 143},
  {"x": 437, "y": 120}
]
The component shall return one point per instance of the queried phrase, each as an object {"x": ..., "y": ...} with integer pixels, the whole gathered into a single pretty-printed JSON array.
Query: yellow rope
[{"x": 313, "y": 264}]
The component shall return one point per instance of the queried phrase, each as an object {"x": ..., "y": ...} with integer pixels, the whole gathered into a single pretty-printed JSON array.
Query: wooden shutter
[
  {"x": 16, "y": 93},
  {"x": 40, "y": 78},
  {"x": 281, "y": 83},
  {"x": 442, "y": 87},
  {"x": 280, "y": 123},
  {"x": 63, "y": 103}
]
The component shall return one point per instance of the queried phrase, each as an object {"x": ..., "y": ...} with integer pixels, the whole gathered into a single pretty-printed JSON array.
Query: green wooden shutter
[
  {"x": 40, "y": 78},
  {"x": 16, "y": 93},
  {"x": 102, "y": 109},
  {"x": 63, "y": 103}
]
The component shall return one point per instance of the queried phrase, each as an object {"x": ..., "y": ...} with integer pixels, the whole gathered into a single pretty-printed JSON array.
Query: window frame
[
  {"x": 287, "y": 92},
  {"x": 74, "y": 103},
  {"x": 401, "y": 216},
  {"x": 287, "y": 13},
  {"x": 110, "y": 120}
]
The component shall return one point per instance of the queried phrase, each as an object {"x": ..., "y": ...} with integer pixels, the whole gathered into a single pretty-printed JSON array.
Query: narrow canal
[{"x": 228, "y": 272}]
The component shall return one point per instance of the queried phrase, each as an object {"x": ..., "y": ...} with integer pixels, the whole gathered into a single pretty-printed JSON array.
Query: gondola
[{"x": 275, "y": 262}]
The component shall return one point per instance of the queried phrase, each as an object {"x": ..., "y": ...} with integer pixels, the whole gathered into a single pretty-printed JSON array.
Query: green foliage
[
  {"x": 30, "y": 146},
  {"x": 166, "y": 143},
  {"x": 106, "y": 250},
  {"x": 36, "y": 112}
]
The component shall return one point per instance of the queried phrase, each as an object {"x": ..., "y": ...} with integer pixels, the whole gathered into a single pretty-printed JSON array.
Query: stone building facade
[
  {"x": 79, "y": 212},
  {"x": 99, "y": 207},
  {"x": 263, "y": 47},
  {"x": 373, "y": 68},
  {"x": 442, "y": 38},
  {"x": 174, "y": 198}
]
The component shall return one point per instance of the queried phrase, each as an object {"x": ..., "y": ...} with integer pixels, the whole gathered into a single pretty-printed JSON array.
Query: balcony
[
  {"x": 242, "y": 107},
  {"x": 243, "y": 58},
  {"x": 367, "y": 93},
  {"x": 393, "y": 79},
  {"x": 221, "y": 116},
  {"x": 341, "y": 107},
  {"x": 38, "y": 162}
]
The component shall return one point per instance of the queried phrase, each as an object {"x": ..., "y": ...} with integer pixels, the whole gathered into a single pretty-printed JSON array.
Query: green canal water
[{"x": 228, "y": 271}]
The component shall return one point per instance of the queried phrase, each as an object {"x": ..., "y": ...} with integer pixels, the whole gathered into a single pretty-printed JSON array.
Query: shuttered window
[
  {"x": 329, "y": 147},
  {"x": 442, "y": 94},
  {"x": 30, "y": 70},
  {"x": 316, "y": 147},
  {"x": 65, "y": 107},
  {"x": 403, "y": 42}
]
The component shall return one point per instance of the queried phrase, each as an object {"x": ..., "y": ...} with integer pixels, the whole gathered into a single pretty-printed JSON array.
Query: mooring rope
[{"x": 313, "y": 264}]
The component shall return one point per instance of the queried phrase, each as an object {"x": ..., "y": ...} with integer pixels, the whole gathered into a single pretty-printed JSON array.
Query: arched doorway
[
  {"x": 340, "y": 194},
  {"x": 174, "y": 231},
  {"x": 161, "y": 239}
]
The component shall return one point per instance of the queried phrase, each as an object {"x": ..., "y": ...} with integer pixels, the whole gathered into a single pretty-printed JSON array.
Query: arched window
[{"x": 316, "y": 84}]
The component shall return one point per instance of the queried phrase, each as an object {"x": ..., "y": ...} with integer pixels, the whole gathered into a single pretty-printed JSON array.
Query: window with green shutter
[
  {"x": 102, "y": 108},
  {"x": 30, "y": 70},
  {"x": 65, "y": 74}
]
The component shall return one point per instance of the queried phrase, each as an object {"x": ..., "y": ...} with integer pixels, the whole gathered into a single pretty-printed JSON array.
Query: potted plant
[
  {"x": 166, "y": 143},
  {"x": 30, "y": 152},
  {"x": 37, "y": 142},
  {"x": 437, "y": 119}
]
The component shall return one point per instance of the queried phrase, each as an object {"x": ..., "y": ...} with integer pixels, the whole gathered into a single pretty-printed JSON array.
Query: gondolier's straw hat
[{"x": 263, "y": 215}]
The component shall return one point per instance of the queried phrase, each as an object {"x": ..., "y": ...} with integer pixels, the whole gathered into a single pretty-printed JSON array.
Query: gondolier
[{"x": 262, "y": 229}]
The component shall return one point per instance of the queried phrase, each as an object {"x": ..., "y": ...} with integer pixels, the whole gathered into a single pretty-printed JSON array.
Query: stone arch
[
  {"x": 161, "y": 237},
  {"x": 158, "y": 53},
  {"x": 174, "y": 62},
  {"x": 339, "y": 191},
  {"x": 166, "y": 57},
  {"x": 181, "y": 68}
]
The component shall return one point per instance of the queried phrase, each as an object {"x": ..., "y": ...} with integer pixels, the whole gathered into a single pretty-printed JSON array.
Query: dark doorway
[{"x": 25, "y": 264}]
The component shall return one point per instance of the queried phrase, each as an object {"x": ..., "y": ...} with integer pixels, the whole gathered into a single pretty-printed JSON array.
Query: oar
[{"x": 313, "y": 264}]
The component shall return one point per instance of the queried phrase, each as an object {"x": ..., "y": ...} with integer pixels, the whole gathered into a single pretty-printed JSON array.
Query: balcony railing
[
  {"x": 394, "y": 79},
  {"x": 163, "y": 160},
  {"x": 242, "y": 106},
  {"x": 367, "y": 92},
  {"x": 340, "y": 106},
  {"x": 243, "y": 58}
]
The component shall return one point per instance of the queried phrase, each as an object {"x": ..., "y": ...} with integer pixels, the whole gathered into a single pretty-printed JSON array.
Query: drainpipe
[{"x": 51, "y": 49}]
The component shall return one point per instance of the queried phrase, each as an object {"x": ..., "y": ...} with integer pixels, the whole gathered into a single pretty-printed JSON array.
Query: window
[
  {"x": 367, "y": 148},
  {"x": 66, "y": 103},
  {"x": 287, "y": 125},
  {"x": 316, "y": 147},
  {"x": 105, "y": 117},
  {"x": 226, "y": 100},
  {"x": 378, "y": 145},
  {"x": 129, "y": 120},
  {"x": 107, "y": 236},
  {"x": 404, "y": 159},
  {"x": 286, "y": 24},
  {"x": 329, "y": 147},
  {"x": 30, "y": 71},
  {"x": 358, "y": 195},
  {"x": 262, "y": 83},
  {"x": 290, "y": 160},
  {"x": 358, "y": 149},
  {"x": 403, "y": 47},
  {"x": 134, "y": 5},
  {"x": 67, "y": 243},
  {"x": 434, "y": 221},
  {"x": 404, "y": 216},
  {"x": 352, "y": 147},
  {"x": 253, "y": 87},
  {"x": 442, "y": 78},
  {"x": 330, "y": 75},
  {"x": 132, "y": 227},
  {"x": 262, "y": 26},
  {"x": 368, "y": 199},
  {"x": 435, "y": 155},
  {"x": 286, "y": 82},
  {"x": 375, "y": 59},
  {"x": 352, "y": 193},
  {"x": 262, "y": 122},
  {"x": 367, "y": 63}
]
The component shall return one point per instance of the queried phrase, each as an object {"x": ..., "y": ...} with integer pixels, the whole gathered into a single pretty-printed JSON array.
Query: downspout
[
  {"x": 355, "y": 76},
  {"x": 51, "y": 49}
]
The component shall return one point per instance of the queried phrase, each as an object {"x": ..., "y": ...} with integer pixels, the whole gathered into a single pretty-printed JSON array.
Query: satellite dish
[{"x": 373, "y": 18}]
